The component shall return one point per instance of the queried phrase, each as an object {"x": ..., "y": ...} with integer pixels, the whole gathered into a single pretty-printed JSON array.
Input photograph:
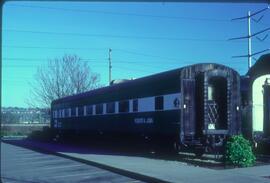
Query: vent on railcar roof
[{"x": 118, "y": 81}]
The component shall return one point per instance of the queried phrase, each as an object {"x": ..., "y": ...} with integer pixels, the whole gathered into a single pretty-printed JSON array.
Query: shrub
[{"x": 239, "y": 152}]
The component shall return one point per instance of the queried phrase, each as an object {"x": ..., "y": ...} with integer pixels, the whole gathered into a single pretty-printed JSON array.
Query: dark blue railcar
[{"x": 197, "y": 105}]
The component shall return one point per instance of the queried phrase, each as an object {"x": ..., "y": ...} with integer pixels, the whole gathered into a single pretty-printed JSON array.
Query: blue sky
[{"x": 145, "y": 38}]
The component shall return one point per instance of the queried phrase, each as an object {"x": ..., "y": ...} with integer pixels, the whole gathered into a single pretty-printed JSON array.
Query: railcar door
[
  {"x": 187, "y": 109},
  {"x": 216, "y": 101}
]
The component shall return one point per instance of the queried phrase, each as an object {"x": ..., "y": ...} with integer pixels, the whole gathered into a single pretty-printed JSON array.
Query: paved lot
[
  {"x": 174, "y": 171},
  {"x": 22, "y": 165},
  {"x": 165, "y": 170}
]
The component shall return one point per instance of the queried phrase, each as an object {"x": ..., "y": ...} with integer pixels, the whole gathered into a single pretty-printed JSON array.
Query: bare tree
[{"x": 61, "y": 77}]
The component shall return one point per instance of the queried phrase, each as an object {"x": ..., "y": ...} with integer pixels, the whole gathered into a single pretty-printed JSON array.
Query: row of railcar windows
[{"x": 123, "y": 107}]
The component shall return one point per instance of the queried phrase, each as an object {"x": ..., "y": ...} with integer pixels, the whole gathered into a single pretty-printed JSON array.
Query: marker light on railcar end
[{"x": 211, "y": 126}]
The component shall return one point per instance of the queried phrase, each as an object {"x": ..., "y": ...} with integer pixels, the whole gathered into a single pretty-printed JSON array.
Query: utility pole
[
  {"x": 250, "y": 35},
  {"x": 249, "y": 42},
  {"x": 110, "y": 66}
]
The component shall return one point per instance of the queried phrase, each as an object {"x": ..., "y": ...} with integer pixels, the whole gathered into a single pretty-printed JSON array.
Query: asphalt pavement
[
  {"x": 142, "y": 166},
  {"x": 21, "y": 165}
]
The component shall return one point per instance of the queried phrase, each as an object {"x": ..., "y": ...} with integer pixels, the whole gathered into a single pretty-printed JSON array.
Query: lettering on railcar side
[{"x": 148, "y": 120}]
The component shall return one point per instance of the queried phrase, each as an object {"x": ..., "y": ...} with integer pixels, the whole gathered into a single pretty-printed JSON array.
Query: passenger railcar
[
  {"x": 194, "y": 106},
  {"x": 255, "y": 94}
]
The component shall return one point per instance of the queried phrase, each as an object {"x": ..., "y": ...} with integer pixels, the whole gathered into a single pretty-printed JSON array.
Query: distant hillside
[{"x": 11, "y": 115}]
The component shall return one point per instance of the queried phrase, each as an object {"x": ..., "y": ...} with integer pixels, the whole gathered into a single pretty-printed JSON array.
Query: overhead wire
[
  {"x": 46, "y": 59},
  {"x": 125, "y": 14},
  {"x": 57, "y": 48},
  {"x": 129, "y": 14},
  {"x": 116, "y": 36}
]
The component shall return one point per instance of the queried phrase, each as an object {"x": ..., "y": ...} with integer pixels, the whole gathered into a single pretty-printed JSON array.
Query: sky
[{"x": 145, "y": 38}]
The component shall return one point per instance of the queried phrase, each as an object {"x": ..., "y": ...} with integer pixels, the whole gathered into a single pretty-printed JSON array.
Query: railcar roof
[
  {"x": 138, "y": 80},
  {"x": 261, "y": 67}
]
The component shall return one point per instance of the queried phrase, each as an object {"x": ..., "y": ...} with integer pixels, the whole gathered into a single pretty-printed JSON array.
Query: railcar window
[
  {"x": 84, "y": 110},
  {"x": 57, "y": 114},
  {"x": 99, "y": 109},
  {"x": 77, "y": 111},
  {"x": 135, "y": 105},
  {"x": 110, "y": 107},
  {"x": 89, "y": 110},
  {"x": 66, "y": 112},
  {"x": 69, "y": 112},
  {"x": 80, "y": 111},
  {"x": 62, "y": 113},
  {"x": 73, "y": 111},
  {"x": 124, "y": 106},
  {"x": 159, "y": 101},
  {"x": 210, "y": 92}
]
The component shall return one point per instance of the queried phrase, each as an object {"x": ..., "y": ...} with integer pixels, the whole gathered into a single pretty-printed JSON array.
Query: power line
[
  {"x": 44, "y": 59},
  {"x": 95, "y": 61},
  {"x": 116, "y": 36},
  {"x": 147, "y": 55},
  {"x": 35, "y": 66},
  {"x": 57, "y": 48},
  {"x": 109, "y": 36},
  {"x": 118, "y": 68},
  {"x": 86, "y": 60},
  {"x": 153, "y": 65},
  {"x": 168, "y": 60},
  {"x": 250, "y": 35},
  {"x": 126, "y": 14},
  {"x": 130, "y": 14},
  {"x": 149, "y": 65},
  {"x": 178, "y": 60},
  {"x": 95, "y": 64},
  {"x": 41, "y": 60},
  {"x": 128, "y": 69},
  {"x": 117, "y": 62},
  {"x": 86, "y": 48}
]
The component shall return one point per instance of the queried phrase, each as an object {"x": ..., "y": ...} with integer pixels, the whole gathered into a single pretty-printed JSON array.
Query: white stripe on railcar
[{"x": 146, "y": 104}]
